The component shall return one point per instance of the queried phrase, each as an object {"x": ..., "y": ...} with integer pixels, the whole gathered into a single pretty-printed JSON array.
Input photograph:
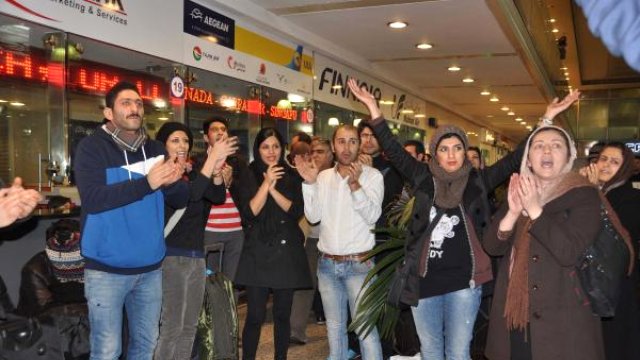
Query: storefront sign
[
  {"x": 205, "y": 23},
  {"x": 144, "y": 25},
  {"x": 331, "y": 87},
  {"x": 634, "y": 145},
  {"x": 177, "y": 87},
  {"x": 199, "y": 96}
]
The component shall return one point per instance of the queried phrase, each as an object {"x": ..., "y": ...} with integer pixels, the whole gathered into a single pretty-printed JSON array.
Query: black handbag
[
  {"x": 604, "y": 264},
  {"x": 402, "y": 274}
]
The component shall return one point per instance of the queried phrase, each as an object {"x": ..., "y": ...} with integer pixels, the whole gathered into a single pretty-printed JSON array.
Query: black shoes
[{"x": 295, "y": 341}]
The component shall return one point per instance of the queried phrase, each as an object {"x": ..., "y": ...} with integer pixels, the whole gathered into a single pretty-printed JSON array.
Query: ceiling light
[
  {"x": 386, "y": 102},
  {"x": 407, "y": 111},
  {"x": 468, "y": 80},
  {"x": 485, "y": 93},
  {"x": 555, "y": 31},
  {"x": 523, "y": 123},
  {"x": 159, "y": 103},
  {"x": 564, "y": 68},
  {"x": 511, "y": 113},
  {"x": 3, "y": 101},
  {"x": 518, "y": 119},
  {"x": 529, "y": 127},
  {"x": 494, "y": 99},
  {"x": 227, "y": 101},
  {"x": 504, "y": 108},
  {"x": 552, "y": 20},
  {"x": 397, "y": 24},
  {"x": 163, "y": 118},
  {"x": 566, "y": 73},
  {"x": 454, "y": 68},
  {"x": 295, "y": 98},
  {"x": 16, "y": 103},
  {"x": 424, "y": 46},
  {"x": 356, "y": 122},
  {"x": 489, "y": 116},
  {"x": 420, "y": 116},
  {"x": 334, "y": 121},
  {"x": 336, "y": 87}
]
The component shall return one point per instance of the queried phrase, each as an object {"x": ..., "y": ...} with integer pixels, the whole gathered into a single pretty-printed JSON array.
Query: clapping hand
[
  {"x": 530, "y": 192},
  {"x": 354, "y": 171},
  {"x": 590, "y": 172},
  {"x": 272, "y": 175},
  {"x": 513, "y": 197},
  {"x": 16, "y": 202},
  {"x": 307, "y": 168}
]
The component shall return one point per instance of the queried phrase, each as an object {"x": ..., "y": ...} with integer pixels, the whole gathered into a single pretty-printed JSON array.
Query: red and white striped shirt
[{"x": 224, "y": 217}]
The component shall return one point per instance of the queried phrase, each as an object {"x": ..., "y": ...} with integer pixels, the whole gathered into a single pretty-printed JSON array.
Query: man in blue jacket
[{"x": 124, "y": 181}]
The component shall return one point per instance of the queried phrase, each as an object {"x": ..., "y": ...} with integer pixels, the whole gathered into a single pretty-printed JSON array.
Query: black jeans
[{"x": 257, "y": 298}]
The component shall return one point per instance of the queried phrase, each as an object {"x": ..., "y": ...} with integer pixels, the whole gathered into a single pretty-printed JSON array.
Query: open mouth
[{"x": 546, "y": 164}]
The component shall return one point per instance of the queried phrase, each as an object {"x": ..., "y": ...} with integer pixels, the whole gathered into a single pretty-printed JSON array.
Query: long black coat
[
  {"x": 621, "y": 333},
  {"x": 273, "y": 253},
  {"x": 475, "y": 202}
]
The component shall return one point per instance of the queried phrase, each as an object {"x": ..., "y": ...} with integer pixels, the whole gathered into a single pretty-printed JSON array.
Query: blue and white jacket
[{"x": 122, "y": 218}]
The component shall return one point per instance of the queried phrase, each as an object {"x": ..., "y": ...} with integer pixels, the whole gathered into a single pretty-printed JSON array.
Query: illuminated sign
[{"x": 97, "y": 79}]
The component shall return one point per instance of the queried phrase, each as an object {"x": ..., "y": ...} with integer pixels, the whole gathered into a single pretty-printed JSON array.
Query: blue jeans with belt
[
  {"x": 445, "y": 324},
  {"x": 107, "y": 294},
  {"x": 339, "y": 283}
]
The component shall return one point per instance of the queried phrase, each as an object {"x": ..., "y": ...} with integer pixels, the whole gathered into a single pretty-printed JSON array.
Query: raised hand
[
  {"x": 354, "y": 171},
  {"x": 365, "y": 159},
  {"x": 217, "y": 154},
  {"x": 272, "y": 175},
  {"x": 227, "y": 175},
  {"x": 530, "y": 192},
  {"x": 16, "y": 202},
  {"x": 590, "y": 172},
  {"x": 165, "y": 172},
  {"x": 365, "y": 97},
  {"x": 513, "y": 198},
  {"x": 556, "y": 106},
  {"x": 307, "y": 168}
]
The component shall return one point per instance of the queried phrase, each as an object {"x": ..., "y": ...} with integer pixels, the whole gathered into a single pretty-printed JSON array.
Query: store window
[
  {"x": 288, "y": 113},
  {"x": 328, "y": 116},
  {"x": 31, "y": 113},
  {"x": 94, "y": 67}
]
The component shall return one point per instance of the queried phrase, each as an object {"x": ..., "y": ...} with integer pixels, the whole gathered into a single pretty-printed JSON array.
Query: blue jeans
[
  {"x": 339, "y": 283},
  {"x": 141, "y": 296},
  {"x": 445, "y": 324}
]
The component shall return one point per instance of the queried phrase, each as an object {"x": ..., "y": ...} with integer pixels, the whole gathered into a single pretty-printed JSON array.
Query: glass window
[{"x": 31, "y": 78}]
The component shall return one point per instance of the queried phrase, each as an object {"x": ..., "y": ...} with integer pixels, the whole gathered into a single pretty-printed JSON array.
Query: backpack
[
  {"x": 604, "y": 264},
  {"x": 218, "y": 320}
]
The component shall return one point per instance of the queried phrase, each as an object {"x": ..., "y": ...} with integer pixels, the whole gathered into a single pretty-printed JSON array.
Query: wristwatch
[{"x": 546, "y": 121}]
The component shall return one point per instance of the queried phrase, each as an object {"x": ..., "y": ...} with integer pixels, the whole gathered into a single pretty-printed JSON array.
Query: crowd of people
[{"x": 293, "y": 224}]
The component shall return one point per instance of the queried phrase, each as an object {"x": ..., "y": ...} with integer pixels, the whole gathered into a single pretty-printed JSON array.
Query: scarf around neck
[
  {"x": 450, "y": 186},
  {"x": 124, "y": 140}
]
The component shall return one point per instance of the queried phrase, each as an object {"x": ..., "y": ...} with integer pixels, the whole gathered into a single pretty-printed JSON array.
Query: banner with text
[
  {"x": 330, "y": 86},
  {"x": 142, "y": 25}
]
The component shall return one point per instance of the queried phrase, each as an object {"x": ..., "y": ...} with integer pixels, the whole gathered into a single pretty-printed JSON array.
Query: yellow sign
[{"x": 264, "y": 48}]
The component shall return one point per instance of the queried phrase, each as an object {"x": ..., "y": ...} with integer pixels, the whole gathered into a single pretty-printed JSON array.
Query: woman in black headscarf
[{"x": 273, "y": 257}]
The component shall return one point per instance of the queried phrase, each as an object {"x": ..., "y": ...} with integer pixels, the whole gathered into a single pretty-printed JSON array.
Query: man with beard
[
  {"x": 346, "y": 200},
  {"x": 124, "y": 181}
]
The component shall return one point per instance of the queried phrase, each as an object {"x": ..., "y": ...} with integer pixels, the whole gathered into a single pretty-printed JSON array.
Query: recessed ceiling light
[
  {"x": 518, "y": 119},
  {"x": 16, "y": 103},
  {"x": 529, "y": 127},
  {"x": 397, "y": 24},
  {"x": 336, "y": 87},
  {"x": 504, "y": 108},
  {"x": 511, "y": 113},
  {"x": 454, "y": 68},
  {"x": 552, "y": 20},
  {"x": 485, "y": 93},
  {"x": 489, "y": 116},
  {"x": 386, "y": 102},
  {"x": 564, "y": 68},
  {"x": 468, "y": 80},
  {"x": 494, "y": 99},
  {"x": 2, "y": 101},
  {"x": 566, "y": 73},
  {"x": 163, "y": 118},
  {"x": 555, "y": 31},
  {"x": 407, "y": 111},
  {"x": 523, "y": 123},
  {"x": 424, "y": 46},
  {"x": 420, "y": 116}
]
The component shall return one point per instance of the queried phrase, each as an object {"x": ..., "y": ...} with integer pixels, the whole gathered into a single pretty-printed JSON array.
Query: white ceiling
[{"x": 463, "y": 32}]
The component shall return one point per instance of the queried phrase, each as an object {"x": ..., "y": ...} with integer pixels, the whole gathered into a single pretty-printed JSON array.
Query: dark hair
[
  {"x": 169, "y": 128},
  {"x": 416, "y": 144},
  {"x": 116, "y": 89},
  {"x": 321, "y": 140},
  {"x": 346, "y": 127},
  {"x": 207, "y": 123},
  {"x": 303, "y": 136},
  {"x": 263, "y": 134},
  {"x": 362, "y": 125},
  {"x": 476, "y": 149}
]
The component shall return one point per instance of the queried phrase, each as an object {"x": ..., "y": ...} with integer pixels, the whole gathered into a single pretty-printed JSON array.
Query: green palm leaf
[{"x": 372, "y": 310}]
